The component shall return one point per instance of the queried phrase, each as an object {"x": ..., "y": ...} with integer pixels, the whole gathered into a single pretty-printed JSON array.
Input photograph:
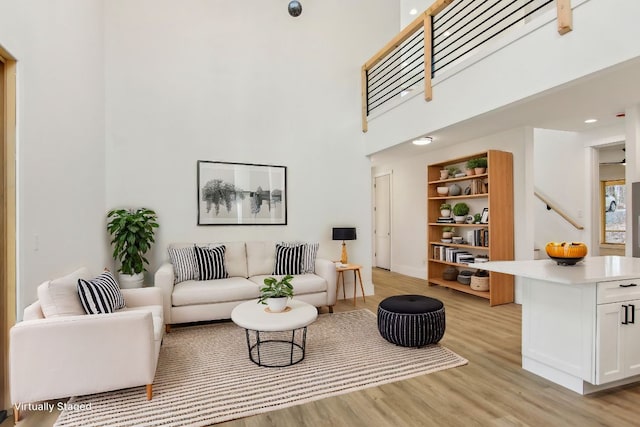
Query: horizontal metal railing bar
[
  {"x": 460, "y": 35},
  {"x": 448, "y": 10},
  {"x": 398, "y": 93},
  {"x": 407, "y": 83},
  {"x": 438, "y": 25},
  {"x": 373, "y": 93},
  {"x": 410, "y": 51},
  {"x": 378, "y": 68},
  {"x": 408, "y": 73},
  {"x": 398, "y": 70},
  {"x": 435, "y": 69}
]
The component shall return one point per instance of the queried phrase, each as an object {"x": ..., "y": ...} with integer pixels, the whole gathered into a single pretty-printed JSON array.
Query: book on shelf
[{"x": 445, "y": 220}]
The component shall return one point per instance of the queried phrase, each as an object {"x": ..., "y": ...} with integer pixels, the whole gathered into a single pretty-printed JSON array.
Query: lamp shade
[{"x": 344, "y": 233}]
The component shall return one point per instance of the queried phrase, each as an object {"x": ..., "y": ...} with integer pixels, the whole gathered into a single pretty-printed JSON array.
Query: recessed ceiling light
[
  {"x": 591, "y": 120},
  {"x": 413, "y": 11},
  {"x": 423, "y": 141}
]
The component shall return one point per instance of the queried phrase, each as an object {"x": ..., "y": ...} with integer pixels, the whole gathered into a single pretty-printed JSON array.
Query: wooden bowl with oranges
[{"x": 566, "y": 253}]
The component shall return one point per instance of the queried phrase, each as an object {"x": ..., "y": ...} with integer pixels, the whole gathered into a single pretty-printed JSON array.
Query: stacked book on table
[
  {"x": 445, "y": 220},
  {"x": 451, "y": 254}
]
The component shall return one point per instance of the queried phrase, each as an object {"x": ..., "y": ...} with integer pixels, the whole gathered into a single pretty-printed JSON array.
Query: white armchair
[{"x": 57, "y": 357}]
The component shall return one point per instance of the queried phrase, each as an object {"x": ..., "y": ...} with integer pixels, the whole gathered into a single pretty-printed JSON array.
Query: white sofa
[
  {"x": 70, "y": 354},
  {"x": 248, "y": 264}
]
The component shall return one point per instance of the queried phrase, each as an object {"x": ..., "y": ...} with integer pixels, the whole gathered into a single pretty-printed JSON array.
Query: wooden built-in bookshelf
[{"x": 497, "y": 196}]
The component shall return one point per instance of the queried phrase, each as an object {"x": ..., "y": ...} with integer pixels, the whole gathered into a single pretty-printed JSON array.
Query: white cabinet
[{"x": 617, "y": 331}]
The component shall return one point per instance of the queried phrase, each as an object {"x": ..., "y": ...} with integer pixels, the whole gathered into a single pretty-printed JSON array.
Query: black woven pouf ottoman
[{"x": 411, "y": 320}]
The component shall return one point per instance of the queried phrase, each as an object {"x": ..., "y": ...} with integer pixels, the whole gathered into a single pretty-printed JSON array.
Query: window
[{"x": 614, "y": 212}]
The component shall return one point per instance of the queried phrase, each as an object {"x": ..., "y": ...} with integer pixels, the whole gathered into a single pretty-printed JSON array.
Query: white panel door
[
  {"x": 382, "y": 232},
  {"x": 632, "y": 339}
]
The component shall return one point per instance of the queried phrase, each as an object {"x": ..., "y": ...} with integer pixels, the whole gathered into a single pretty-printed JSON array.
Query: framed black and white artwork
[
  {"x": 485, "y": 216},
  {"x": 241, "y": 194}
]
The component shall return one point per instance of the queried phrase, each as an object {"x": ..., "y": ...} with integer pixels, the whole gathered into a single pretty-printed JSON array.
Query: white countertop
[{"x": 589, "y": 270}]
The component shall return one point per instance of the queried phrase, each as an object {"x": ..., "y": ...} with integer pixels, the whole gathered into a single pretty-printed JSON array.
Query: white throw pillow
[{"x": 59, "y": 297}]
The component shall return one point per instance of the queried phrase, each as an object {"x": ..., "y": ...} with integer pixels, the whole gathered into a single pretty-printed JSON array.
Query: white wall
[
  {"x": 560, "y": 176},
  {"x": 408, "y": 229},
  {"x": 60, "y": 137},
  {"x": 520, "y": 68},
  {"x": 193, "y": 80}
]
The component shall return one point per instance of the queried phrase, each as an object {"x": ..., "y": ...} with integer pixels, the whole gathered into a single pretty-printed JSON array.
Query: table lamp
[{"x": 344, "y": 233}]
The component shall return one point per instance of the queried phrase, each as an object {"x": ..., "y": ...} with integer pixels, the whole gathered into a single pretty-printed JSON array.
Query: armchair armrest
[
  {"x": 74, "y": 355},
  {"x": 327, "y": 270},
  {"x": 164, "y": 280}
]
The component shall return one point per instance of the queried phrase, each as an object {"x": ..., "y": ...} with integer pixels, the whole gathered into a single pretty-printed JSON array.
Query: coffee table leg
[{"x": 293, "y": 340}]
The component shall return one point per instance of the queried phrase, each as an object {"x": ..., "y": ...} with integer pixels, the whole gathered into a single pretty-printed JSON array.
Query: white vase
[
  {"x": 445, "y": 213},
  {"x": 277, "y": 305},
  {"x": 129, "y": 281}
]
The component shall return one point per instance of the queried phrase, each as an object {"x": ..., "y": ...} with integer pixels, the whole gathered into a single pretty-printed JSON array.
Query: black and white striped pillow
[
  {"x": 309, "y": 254},
  {"x": 211, "y": 262},
  {"x": 184, "y": 263},
  {"x": 100, "y": 295},
  {"x": 288, "y": 259}
]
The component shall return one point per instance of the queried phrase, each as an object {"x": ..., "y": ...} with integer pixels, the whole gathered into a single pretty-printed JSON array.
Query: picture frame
[
  {"x": 485, "y": 216},
  {"x": 241, "y": 193}
]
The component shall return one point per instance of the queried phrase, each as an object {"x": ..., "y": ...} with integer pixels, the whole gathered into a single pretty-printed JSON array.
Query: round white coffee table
[{"x": 276, "y": 341}]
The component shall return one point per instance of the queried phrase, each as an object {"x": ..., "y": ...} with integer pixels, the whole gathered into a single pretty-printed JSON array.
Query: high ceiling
[{"x": 600, "y": 96}]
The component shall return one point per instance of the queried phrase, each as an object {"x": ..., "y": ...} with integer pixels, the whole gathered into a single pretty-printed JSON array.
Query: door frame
[
  {"x": 373, "y": 215},
  {"x": 8, "y": 215}
]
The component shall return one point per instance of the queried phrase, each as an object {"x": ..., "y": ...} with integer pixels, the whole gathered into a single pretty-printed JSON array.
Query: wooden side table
[{"x": 356, "y": 272}]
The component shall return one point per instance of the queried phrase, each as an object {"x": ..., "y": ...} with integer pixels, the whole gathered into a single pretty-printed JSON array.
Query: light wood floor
[{"x": 492, "y": 390}]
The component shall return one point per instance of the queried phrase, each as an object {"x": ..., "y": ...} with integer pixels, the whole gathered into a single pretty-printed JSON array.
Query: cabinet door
[
  {"x": 609, "y": 357},
  {"x": 631, "y": 339}
]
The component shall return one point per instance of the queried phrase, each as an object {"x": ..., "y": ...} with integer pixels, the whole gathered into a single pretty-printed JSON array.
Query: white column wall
[
  {"x": 193, "y": 80},
  {"x": 559, "y": 174},
  {"x": 60, "y": 137}
]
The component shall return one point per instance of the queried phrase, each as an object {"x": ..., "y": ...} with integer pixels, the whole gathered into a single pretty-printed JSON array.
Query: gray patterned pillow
[{"x": 185, "y": 266}]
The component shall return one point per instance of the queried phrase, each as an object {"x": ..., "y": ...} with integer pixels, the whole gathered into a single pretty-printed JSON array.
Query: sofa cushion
[
  {"x": 59, "y": 297},
  {"x": 302, "y": 284},
  {"x": 101, "y": 294},
  {"x": 288, "y": 259},
  {"x": 235, "y": 256},
  {"x": 213, "y": 291},
  {"x": 185, "y": 266},
  {"x": 211, "y": 262},
  {"x": 261, "y": 257},
  {"x": 309, "y": 254}
]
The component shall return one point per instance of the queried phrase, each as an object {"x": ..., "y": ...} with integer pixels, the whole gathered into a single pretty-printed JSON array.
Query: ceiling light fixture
[
  {"x": 591, "y": 120},
  {"x": 295, "y": 8},
  {"x": 413, "y": 11},
  {"x": 423, "y": 141}
]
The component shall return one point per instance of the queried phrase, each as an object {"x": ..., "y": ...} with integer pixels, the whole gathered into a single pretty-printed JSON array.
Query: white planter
[
  {"x": 445, "y": 213},
  {"x": 128, "y": 281},
  {"x": 277, "y": 305},
  {"x": 460, "y": 219}
]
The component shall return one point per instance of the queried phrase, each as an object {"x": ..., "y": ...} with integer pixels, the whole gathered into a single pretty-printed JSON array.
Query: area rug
[{"x": 204, "y": 374}]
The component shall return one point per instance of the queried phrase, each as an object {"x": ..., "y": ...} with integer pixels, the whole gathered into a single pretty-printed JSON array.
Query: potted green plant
[
  {"x": 445, "y": 210},
  {"x": 275, "y": 293},
  {"x": 481, "y": 165},
  {"x": 447, "y": 232},
  {"x": 453, "y": 170},
  {"x": 460, "y": 211},
  {"x": 471, "y": 165},
  {"x": 132, "y": 235}
]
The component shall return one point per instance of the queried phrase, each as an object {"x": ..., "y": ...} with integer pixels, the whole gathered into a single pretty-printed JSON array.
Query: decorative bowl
[
  {"x": 565, "y": 253},
  {"x": 443, "y": 191}
]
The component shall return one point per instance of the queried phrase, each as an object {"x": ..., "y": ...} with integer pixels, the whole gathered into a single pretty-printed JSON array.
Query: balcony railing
[{"x": 442, "y": 36}]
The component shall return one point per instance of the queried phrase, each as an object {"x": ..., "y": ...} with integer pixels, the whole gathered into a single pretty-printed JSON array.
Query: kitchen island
[{"x": 580, "y": 323}]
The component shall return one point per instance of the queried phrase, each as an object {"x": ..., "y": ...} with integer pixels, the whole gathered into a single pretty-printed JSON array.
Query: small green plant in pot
[
  {"x": 447, "y": 232},
  {"x": 275, "y": 293},
  {"x": 132, "y": 234},
  {"x": 460, "y": 211},
  {"x": 481, "y": 165},
  {"x": 445, "y": 210}
]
